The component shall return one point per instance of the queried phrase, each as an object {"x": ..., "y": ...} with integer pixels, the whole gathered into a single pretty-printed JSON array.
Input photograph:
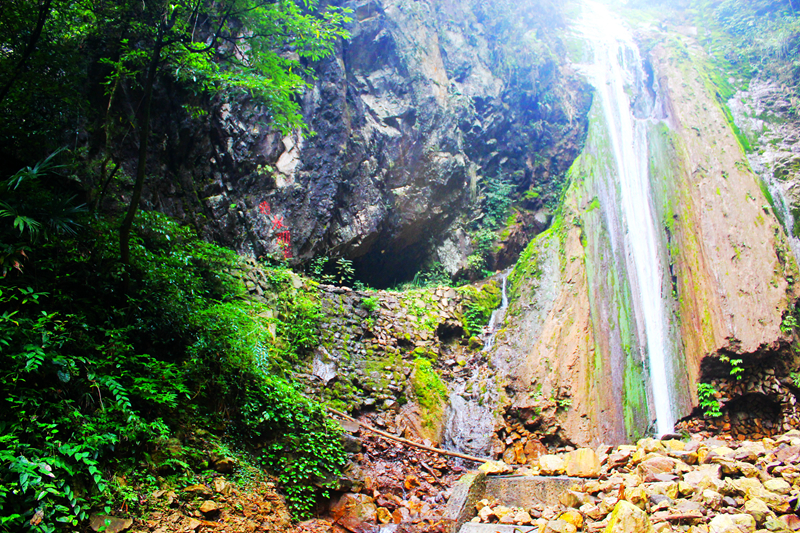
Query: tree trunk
[
  {"x": 44, "y": 12},
  {"x": 141, "y": 165}
]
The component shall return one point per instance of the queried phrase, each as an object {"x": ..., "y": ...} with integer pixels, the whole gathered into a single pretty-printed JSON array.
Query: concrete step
[
  {"x": 471, "y": 527},
  {"x": 526, "y": 491},
  {"x": 511, "y": 491}
]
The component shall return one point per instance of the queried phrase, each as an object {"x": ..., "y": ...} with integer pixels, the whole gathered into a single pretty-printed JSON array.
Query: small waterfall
[
  {"x": 618, "y": 77},
  {"x": 498, "y": 315},
  {"x": 470, "y": 413}
]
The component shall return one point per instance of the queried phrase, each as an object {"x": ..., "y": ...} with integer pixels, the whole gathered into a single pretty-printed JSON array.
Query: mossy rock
[
  {"x": 431, "y": 395},
  {"x": 475, "y": 343}
]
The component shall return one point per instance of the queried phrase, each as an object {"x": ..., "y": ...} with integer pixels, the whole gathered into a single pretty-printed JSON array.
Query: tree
[
  {"x": 241, "y": 46},
  {"x": 57, "y": 48}
]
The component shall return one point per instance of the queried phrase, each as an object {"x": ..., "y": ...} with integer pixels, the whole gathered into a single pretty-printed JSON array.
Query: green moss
[
  {"x": 635, "y": 408},
  {"x": 430, "y": 392},
  {"x": 478, "y": 304}
]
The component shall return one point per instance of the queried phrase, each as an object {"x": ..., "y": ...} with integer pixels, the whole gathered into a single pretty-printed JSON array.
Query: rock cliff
[
  {"x": 727, "y": 281},
  {"x": 416, "y": 113}
]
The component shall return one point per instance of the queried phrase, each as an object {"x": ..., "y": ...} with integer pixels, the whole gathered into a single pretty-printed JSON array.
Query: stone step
[
  {"x": 471, "y": 527},
  {"x": 511, "y": 491},
  {"x": 526, "y": 491}
]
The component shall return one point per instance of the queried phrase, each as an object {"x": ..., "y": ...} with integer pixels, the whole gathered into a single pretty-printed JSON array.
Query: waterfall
[
  {"x": 618, "y": 76},
  {"x": 470, "y": 413},
  {"x": 496, "y": 320}
]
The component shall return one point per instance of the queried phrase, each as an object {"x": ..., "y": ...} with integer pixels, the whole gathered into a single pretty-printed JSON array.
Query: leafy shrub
[
  {"x": 369, "y": 304},
  {"x": 706, "y": 394},
  {"x": 95, "y": 379},
  {"x": 302, "y": 444}
]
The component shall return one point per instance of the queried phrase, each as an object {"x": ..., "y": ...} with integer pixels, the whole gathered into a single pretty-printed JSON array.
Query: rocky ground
[
  {"x": 705, "y": 485},
  {"x": 697, "y": 485},
  {"x": 211, "y": 504}
]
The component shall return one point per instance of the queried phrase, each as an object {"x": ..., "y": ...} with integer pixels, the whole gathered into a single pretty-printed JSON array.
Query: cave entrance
[
  {"x": 755, "y": 415},
  {"x": 449, "y": 332}
]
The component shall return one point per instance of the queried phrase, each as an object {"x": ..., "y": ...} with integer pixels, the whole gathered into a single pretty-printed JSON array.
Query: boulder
[
  {"x": 582, "y": 463},
  {"x": 758, "y": 509},
  {"x": 112, "y": 524},
  {"x": 573, "y": 517},
  {"x": 359, "y": 506},
  {"x": 559, "y": 526},
  {"x": 655, "y": 465},
  {"x": 495, "y": 468},
  {"x": 551, "y": 465},
  {"x": 209, "y": 506},
  {"x": 627, "y": 518},
  {"x": 732, "y": 523},
  {"x": 777, "y": 485}
]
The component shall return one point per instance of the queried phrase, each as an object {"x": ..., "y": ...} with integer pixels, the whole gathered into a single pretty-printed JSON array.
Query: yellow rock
[
  {"x": 495, "y": 467},
  {"x": 636, "y": 496},
  {"x": 551, "y": 465},
  {"x": 666, "y": 488},
  {"x": 627, "y": 518},
  {"x": 522, "y": 518},
  {"x": 559, "y": 526},
  {"x": 384, "y": 516},
  {"x": 582, "y": 463},
  {"x": 685, "y": 489},
  {"x": 502, "y": 511},
  {"x": 573, "y": 517},
  {"x": 674, "y": 445}
]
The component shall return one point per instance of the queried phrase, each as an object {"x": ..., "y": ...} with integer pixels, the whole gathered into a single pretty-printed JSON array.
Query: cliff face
[
  {"x": 727, "y": 274},
  {"x": 424, "y": 104}
]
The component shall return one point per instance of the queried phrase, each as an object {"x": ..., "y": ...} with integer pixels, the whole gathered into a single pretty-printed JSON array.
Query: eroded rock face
[
  {"x": 728, "y": 277},
  {"x": 423, "y": 104}
]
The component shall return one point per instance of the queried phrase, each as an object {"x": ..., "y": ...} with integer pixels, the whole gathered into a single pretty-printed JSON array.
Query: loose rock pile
[{"x": 703, "y": 486}]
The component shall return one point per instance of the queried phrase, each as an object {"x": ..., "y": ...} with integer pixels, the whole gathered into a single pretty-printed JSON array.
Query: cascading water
[
  {"x": 496, "y": 320},
  {"x": 470, "y": 413},
  {"x": 616, "y": 73}
]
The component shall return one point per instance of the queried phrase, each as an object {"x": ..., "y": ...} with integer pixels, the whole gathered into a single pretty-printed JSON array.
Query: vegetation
[
  {"x": 478, "y": 305},
  {"x": 752, "y": 39},
  {"x": 96, "y": 385},
  {"x": 430, "y": 392},
  {"x": 706, "y": 394},
  {"x": 72, "y": 52}
]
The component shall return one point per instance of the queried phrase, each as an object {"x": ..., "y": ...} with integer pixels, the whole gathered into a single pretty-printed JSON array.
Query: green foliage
[
  {"x": 497, "y": 201},
  {"x": 94, "y": 383},
  {"x": 30, "y": 213},
  {"x": 427, "y": 278},
  {"x": 478, "y": 305},
  {"x": 789, "y": 323},
  {"x": 339, "y": 272},
  {"x": 706, "y": 394},
  {"x": 752, "y": 39},
  {"x": 736, "y": 369},
  {"x": 369, "y": 304},
  {"x": 307, "y": 453},
  {"x": 200, "y": 45}
]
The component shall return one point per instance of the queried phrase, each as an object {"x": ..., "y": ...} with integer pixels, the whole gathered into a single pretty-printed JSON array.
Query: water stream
[
  {"x": 470, "y": 412},
  {"x": 617, "y": 74},
  {"x": 498, "y": 315}
]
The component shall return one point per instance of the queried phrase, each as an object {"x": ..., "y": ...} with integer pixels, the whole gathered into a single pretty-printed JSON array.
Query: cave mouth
[
  {"x": 385, "y": 268},
  {"x": 449, "y": 332},
  {"x": 755, "y": 413}
]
